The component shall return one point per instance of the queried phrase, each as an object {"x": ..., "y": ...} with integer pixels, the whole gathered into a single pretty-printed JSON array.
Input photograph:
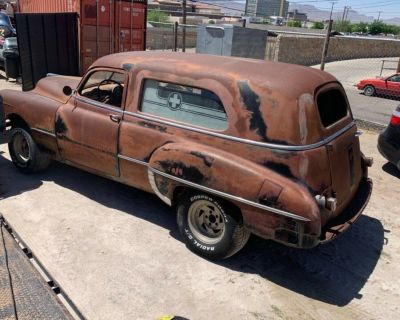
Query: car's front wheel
[
  {"x": 369, "y": 91},
  {"x": 211, "y": 227},
  {"x": 25, "y": 153}
]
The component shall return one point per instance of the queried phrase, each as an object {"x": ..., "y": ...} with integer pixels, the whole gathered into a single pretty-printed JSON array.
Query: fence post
[
  {"x": 184, "y": 26},
  {"x": 176, "y": 26},
  {"x": 326, "y": 44}
]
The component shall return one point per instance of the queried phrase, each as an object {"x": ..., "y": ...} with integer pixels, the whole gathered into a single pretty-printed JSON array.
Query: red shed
[{"x": 106, "y": 26}]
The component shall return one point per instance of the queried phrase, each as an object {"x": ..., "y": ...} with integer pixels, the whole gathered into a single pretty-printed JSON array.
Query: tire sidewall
[
  {"x": 32, "y": 149},
  {"x": 218, "y": 250}
]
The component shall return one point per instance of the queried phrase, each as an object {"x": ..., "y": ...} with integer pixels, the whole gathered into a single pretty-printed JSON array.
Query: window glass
[
  {"x": 394, "y": 79},
  {"x": 185, "y": 104},
  {"x": 332, "y": 106},
  {"x": 104, "y": 86}
]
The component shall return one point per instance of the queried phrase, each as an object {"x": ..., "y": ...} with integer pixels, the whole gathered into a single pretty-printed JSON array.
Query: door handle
[{"x": 115, "y": 118}]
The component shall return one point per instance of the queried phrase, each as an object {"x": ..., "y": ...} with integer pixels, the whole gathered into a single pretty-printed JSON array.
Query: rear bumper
[
  {"x": 341, "y": 223},
  {"x": 299, "y": 239}
]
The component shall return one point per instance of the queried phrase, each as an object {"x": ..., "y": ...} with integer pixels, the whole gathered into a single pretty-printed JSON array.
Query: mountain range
[{"x": 237, "y": 8}]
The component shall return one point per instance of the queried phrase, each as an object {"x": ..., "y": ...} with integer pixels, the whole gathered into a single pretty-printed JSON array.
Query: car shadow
[
  {"x": 108, "y": 193},
  {"x": 391, "y": 169},
  {"x": 333, "y": 273},
  {"x": 384, "y": 96}
]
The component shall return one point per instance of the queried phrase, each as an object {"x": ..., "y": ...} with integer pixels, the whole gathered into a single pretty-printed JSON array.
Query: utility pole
[
  {"x": 245, "y": 9},
  {"x": 379, "y": 15},
  {"x": 184, "y": 26},
  {"x": 326, "y": 44},
  {"x": 333, "y": 3},
  {"x": 344, "y": 13},
  {"x": 347, "y": 12}
]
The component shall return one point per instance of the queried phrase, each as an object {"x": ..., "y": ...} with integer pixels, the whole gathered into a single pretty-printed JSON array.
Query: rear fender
[{"x": 241, "y": 181}]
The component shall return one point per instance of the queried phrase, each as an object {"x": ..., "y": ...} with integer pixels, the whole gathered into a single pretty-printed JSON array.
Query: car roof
[{"x": 292, "y": 80}]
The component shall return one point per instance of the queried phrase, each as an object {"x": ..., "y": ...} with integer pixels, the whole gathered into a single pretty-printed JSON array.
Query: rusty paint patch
[
  {"x": 127, "y": 66},
  {"x": 284, "y": 154},
  {"x": 252, "y": 103},
  {"x": 206, "y": 159},
  {"x": 181, "y": 170},
  {"x": 60, "y": 126},
  {"x": 152, "y": 126},
  {"x": 305, "y": 101},
  {"x": 280, "y": 168}
]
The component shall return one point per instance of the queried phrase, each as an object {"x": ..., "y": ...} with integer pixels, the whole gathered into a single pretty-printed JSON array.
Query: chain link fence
[{"x": 171, "y": 36}]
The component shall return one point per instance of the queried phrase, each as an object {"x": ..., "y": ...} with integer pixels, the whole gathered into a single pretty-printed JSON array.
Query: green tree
[
  {"x": 294, "y": 23},
  {"x": 376, "y": 27},
  {"x": 342, "y": 26},
  {"x": 317, "y": 25},
  {"x": 361, "y": 27},
  {"x": 156, "y": 15}
]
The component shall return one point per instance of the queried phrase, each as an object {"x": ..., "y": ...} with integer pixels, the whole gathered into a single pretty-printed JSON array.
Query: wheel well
[
  {"x": 15, "y": 120},
  {"x": 181, "y": 190}
]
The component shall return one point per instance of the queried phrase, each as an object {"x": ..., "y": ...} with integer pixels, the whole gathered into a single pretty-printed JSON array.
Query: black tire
[
  {"x": 25, "y": 153},
  {"x": 211, "y": 227},
  {"x": 369, "y": 90}
]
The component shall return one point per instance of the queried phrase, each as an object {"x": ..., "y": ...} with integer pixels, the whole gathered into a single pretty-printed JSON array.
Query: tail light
[{"x": 395, "y": 120}]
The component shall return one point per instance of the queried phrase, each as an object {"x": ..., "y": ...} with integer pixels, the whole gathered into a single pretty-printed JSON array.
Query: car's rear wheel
[
  {"x": 369, "y": 90},
  {"x": 25, "y": 153},
  {"x": 211, "y": 227}
]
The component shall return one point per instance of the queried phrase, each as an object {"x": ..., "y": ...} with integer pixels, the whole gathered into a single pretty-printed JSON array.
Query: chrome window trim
[
  {"x": 241, "y": 140},
  {"x": 51, "y": 134},
  {"x": 97, "y": 104},
  {"x": 210, "y": 190}
]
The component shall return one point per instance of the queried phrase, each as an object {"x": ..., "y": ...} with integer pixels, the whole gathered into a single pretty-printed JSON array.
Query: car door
[
  {"x": 393, "y": 85},
  {"x": 87, "y": 127}
]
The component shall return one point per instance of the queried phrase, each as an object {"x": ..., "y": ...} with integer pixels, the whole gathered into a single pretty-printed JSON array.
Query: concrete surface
[{"x": 116, "y": 252}]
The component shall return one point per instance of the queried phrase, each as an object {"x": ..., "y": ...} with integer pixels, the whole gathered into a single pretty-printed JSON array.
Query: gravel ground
[{"x": 117, "y": 254}]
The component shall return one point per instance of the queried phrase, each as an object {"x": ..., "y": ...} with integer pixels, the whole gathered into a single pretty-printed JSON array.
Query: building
[
  {"x": 266, "y": 8},
  {"x": 297, "y": 16}
]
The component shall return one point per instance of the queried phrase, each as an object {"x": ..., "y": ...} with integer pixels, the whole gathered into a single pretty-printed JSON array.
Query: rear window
[{"x": 332, "y": 106}]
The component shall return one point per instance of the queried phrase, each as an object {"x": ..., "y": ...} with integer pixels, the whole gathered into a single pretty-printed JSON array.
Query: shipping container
[{"x": 106, "y": 26}]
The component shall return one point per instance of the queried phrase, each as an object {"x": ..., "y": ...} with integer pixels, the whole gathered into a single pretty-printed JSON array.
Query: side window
[
  {"x": 184, "y": 104},
  {"x": 104, "y": 86},
  {"x": 394, "y": 79}
]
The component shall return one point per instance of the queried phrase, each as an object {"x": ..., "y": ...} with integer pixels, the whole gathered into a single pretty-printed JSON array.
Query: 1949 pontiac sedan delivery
[{"x": 237, "y": 146}]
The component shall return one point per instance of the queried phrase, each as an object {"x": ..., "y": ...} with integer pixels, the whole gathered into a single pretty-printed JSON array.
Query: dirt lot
[{"x": 117, "y": 253}]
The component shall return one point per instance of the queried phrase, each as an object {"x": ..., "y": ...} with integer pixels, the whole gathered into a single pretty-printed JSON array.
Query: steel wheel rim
[
  {"x": 21, "y": 148},
  {"x": 369, "y": 91},
  {"x": 206, "y": 221}
]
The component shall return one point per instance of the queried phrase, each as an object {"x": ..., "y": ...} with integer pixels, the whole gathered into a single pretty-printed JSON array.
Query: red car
[{"x": 380, "y": 85}]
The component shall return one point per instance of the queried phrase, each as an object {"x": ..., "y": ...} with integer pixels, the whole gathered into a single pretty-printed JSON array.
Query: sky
[{"x": 389, "y": 8}]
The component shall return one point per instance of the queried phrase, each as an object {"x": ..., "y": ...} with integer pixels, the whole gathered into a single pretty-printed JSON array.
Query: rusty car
[{"x": 237, "y": 146}]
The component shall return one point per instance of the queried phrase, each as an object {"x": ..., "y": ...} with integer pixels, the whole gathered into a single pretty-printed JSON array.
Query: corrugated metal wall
[
  {"x": 106, "y": 26},
  {"x": 48, "y": 6},
  {"x": 48, "y": 43}
]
